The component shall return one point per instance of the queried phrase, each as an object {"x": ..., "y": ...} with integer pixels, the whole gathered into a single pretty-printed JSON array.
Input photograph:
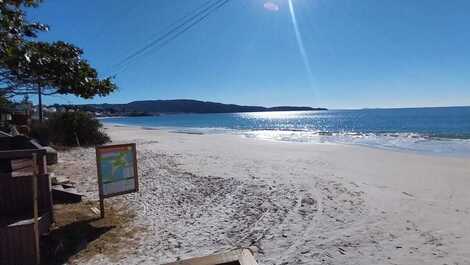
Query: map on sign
[{"x": 117, "y": 169}]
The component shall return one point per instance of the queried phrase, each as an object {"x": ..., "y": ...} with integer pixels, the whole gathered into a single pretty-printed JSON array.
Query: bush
[
  {"x": 40, "y": 132},
  {"x": 71, "y": 129}
]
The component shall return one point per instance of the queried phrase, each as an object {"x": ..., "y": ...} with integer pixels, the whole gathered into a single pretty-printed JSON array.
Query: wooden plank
[
  {"x": 9, "y": 247},
  {"x": 240, "y": 256},
  {"x": 3, "y": 245},
  {"x": 17, "y": 245},
  {"x": 247, "y": 258},
  {"x": 22, "y": 244},
  {"x": 21, "y": 167},
  {"x": 35, "y": 209},
  {"x": 24, "y": 153},
  {"x": 4, "y": 134},
  {"x": 23, "y": 196},
  {"x": 62, "y": 195},
  {"x": 136, "y": 173},
  {"x": 100, "y": 184},
  {"x": 16, "y": 195},
  {"x": 45, "y": 222}
]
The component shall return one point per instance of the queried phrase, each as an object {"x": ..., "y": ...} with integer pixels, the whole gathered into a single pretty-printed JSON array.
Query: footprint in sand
[{"x": 308, "y": 206}]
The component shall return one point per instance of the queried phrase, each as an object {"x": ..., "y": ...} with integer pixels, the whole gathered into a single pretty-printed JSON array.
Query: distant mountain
[{"x": 184, "y": 106}]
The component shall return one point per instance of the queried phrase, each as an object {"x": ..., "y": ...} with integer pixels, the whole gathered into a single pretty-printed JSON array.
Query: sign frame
[{"x": 98, "y": 150}]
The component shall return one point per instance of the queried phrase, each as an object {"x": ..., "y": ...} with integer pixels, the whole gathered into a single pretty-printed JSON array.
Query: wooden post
[
  {"x": 40, "y": 104},
  {"x": 102, "y": 207},
  {"x": 100, "y": 186},
  {"x": 35, "y": 208}
]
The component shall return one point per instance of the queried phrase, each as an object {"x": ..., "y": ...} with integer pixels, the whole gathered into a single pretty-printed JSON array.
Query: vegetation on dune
[
  {"x": 4, "y": 102},
  {"x": 70, "y": 129}
]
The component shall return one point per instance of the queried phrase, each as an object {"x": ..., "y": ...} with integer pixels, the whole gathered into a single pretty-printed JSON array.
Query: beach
[{"x": 293, "y": 203}]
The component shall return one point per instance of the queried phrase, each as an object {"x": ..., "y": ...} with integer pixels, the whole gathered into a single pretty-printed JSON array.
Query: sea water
[{"x": 430, "y": 130}]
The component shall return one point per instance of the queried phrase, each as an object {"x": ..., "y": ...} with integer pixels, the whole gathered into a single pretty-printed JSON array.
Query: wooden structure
[
  {"x": 15, "y": 117},
  {"x": 25, "y": 200},
  {"x": 6, "y": 115},
  {"x": 235, "y": 257}
]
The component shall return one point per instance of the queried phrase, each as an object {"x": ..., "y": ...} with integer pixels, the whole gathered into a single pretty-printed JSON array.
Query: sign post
[
  {"x": 117, "y": 171},
  {"x": 35, "y": 208}
]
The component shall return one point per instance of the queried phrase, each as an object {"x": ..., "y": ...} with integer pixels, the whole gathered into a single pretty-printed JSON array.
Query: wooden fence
[{"x": 25, "y": 200}]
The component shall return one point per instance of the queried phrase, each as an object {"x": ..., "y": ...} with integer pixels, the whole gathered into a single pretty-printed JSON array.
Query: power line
[
  {"x": 188, "y": 15},
  {"x": 162, "y": 40},
  {"x": 189, "y": 26},
  {"x": 173, "y": 27},
  {"x": 188, "y": 21}
]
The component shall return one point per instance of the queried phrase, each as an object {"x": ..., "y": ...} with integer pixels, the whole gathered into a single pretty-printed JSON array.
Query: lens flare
[
  {"x": 270, "y": 6},
  {"x": 300, "y": 43}
]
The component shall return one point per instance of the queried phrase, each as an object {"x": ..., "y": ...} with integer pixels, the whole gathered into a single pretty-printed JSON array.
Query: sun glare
[
  {"x": 270, "y": 6},
  {"x": 300, "y": 42}
]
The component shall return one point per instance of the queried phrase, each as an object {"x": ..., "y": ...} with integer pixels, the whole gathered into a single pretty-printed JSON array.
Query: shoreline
[{"x": 322, "y": 139}]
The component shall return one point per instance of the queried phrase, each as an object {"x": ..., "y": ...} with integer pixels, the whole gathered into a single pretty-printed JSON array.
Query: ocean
[{"x": 444, "y": 131}]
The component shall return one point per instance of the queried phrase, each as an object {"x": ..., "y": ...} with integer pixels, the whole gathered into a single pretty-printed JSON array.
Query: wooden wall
[
  {"x": 16, "y": 195},
  {"x": 17, "y": 245},
  {"x": 17, "y": 229},
  {"x": 17, "y": 242}
]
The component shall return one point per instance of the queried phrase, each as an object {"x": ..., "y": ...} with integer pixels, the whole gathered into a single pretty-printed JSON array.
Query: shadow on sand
[{"x": 68, "y": 240}]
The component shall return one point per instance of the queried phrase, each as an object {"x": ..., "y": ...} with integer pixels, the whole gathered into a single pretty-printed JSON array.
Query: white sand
[{"x": 297, "y": 203}]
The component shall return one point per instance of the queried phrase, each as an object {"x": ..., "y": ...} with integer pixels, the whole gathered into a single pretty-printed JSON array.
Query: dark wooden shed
[{"x": 25, "y": 200}]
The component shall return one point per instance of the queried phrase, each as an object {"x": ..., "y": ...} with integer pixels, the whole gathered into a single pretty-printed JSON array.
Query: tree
[{"x": 28, "y": 66}]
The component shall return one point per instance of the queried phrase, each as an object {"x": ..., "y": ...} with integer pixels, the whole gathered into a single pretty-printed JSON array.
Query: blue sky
[{"x": 366, "y": 53}]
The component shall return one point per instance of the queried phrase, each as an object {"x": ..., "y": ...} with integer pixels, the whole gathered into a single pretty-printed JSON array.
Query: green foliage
[
  {"x": 26, "y": 64},
  {"x": 4, "y": 102},
  {"x": 71, "y": 129},
  {"x": 13, "y": 23},
  {"x": 59, "y": 69},
  {"x": 15, "y": 31}
]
